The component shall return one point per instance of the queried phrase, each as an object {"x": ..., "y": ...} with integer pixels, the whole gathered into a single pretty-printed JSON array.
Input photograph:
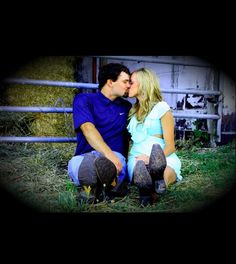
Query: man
[{"x": 100, "y": 123}]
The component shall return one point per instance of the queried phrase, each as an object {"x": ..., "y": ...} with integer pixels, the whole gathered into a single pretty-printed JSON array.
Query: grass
[{"x": 36, "y": 174}]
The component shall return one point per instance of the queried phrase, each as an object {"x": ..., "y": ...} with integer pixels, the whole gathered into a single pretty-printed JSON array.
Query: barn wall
[
  {"x": 182, "y": 72},
  {"x": 203, "y": 76}
]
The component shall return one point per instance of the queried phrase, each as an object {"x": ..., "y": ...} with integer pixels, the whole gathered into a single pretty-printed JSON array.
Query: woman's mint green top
[
  {"x": 151, "y": 125},
  {"x": 142, "y": 135}
]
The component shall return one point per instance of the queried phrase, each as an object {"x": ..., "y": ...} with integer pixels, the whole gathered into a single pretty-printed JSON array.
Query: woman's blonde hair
[{"x": 148, "y": 90}]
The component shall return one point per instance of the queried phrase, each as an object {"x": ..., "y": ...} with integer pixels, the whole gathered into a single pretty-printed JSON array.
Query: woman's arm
[{"x": 167, "y": 122}]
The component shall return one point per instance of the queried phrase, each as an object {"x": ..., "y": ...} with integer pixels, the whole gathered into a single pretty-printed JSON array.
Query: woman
[{"x": 151, "y": 125}]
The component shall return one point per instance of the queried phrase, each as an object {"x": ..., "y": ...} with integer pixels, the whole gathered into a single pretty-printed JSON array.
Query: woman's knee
[{"x": 169, "y": 176}]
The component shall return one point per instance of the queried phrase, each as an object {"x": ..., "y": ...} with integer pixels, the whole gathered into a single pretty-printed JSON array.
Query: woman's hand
[{"x": 143, "y": 157}]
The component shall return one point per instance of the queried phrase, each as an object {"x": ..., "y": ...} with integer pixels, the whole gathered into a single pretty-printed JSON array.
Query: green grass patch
[{"x": 37, "y": 175}]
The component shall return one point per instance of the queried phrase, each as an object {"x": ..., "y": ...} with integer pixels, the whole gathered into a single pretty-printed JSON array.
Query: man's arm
[{"x": 96, "y": 141}]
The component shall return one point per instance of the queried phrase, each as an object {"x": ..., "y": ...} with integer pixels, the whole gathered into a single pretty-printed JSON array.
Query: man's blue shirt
[{"x": 109, "y": 117}]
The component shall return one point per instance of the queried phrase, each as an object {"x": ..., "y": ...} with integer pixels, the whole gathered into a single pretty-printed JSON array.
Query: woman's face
[{"x": 133, "y": 90}]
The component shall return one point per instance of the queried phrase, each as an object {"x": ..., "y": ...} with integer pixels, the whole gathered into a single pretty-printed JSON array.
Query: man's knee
[{"x": 73, "y": 168}]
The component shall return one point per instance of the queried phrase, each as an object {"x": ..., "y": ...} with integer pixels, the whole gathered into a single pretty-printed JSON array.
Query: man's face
[{"x": 121, "y": 85}]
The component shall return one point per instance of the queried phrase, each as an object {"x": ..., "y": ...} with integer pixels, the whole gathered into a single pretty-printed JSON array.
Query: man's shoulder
[{"x": 84, "y": 96}]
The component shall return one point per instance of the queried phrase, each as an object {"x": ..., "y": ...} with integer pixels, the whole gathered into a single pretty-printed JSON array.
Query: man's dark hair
[{"x": 110, "y": 71}]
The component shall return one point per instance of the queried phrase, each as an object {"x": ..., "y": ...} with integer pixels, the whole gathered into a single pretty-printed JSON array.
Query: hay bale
[{"x": 55, "y": 68}]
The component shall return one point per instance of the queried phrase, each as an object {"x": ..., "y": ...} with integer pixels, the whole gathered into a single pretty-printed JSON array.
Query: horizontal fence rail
[
  {"x": 70, "y": 110},
  {"x": 38, "y": 139},
  {"x": 39, "y": 109},
  {"x": 95, "y": 86},
  {"x": 200, "y": 116},
  {"x": 35, "y": 109},
  {"x": 50, "y": 83}
]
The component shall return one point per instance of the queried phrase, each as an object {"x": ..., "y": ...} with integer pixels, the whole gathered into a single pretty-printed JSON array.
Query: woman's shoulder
[
  {"x": 159, "y": 109},
  {"x": 162, "y": 104}
]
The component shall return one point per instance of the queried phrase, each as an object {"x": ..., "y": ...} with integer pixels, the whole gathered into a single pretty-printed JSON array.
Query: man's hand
[
  {"x": 112, "y": 157},
  {"x": 95, "y": 140}
]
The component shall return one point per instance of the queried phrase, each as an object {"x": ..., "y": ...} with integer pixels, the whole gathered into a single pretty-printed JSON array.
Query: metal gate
[{"x": 210, "y": 115}]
